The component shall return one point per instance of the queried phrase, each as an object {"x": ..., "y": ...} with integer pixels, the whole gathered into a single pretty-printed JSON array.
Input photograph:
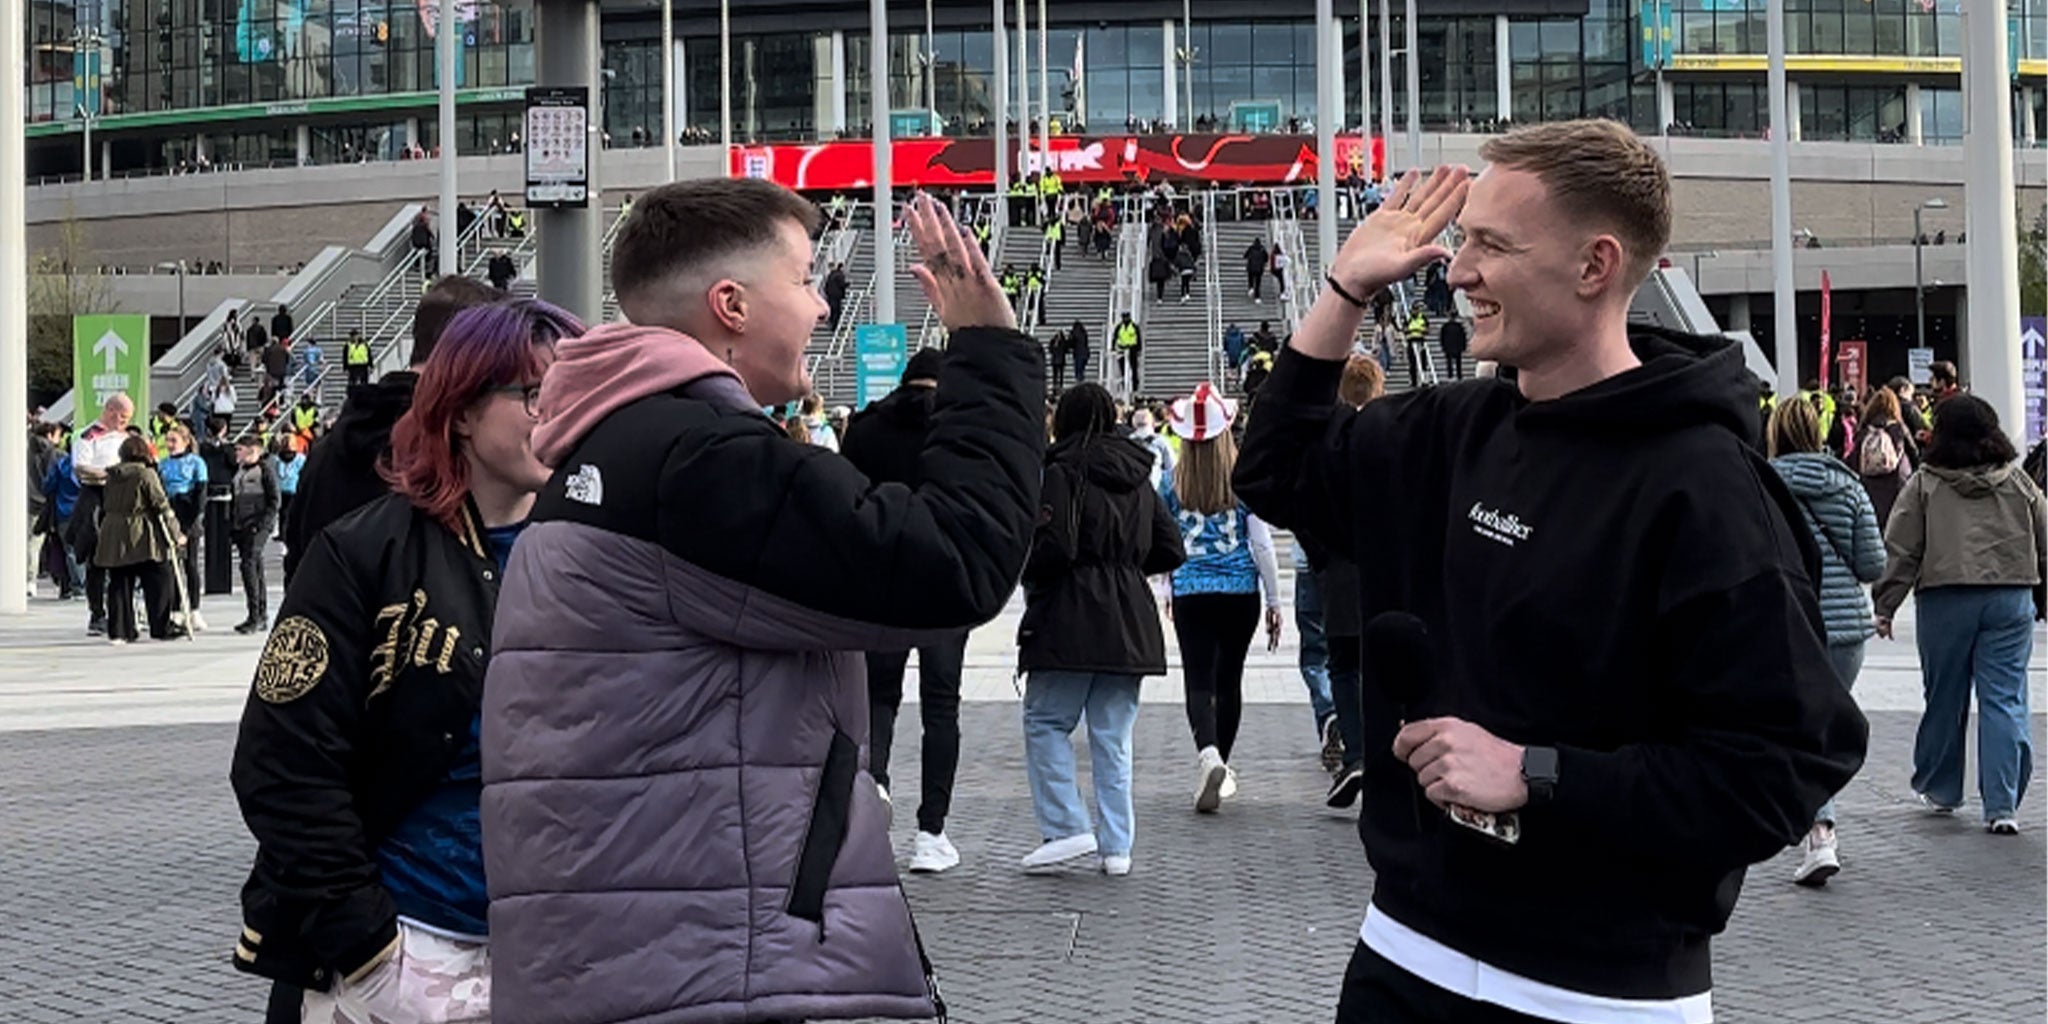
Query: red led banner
[{"x": 959, "y": 163}]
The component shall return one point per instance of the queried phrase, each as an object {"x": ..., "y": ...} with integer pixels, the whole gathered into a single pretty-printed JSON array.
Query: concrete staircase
[{"x": 1176, "y": 334}]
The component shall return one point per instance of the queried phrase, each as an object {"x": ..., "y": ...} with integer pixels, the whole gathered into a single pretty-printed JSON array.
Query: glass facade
[{"x": 171, "y": 55}]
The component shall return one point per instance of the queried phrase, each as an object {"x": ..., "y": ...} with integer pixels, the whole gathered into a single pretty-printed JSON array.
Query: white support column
[
  {"x": 1365, "y": 76},
  {"x": 14, "y": 560},
  {"x": 1784, "y": 318},
  {"x": 668, "y": 90},
  {"x": 1410, "y": 62},
  {"x": 302, "y": 142},
  {"x": 838, "y": 112},
  {"x": 1796, "y": 128},
  {"x": 679, "y": 66},
  {"x": 106, "y": 166},
  {"x": 1503, "y": 75},
  {"x": 1738, "y": 311},
  {"x": 2030, "y": 132},
  {"x": 884, "y": 239},
  {"x": 1667, "y": 103},
  {"x": 1991, "y": 350},
  {"x": 1336, "y": 38},
  {"x": 1171, "y": 81},
  {"x": 1914, "y": 130}
]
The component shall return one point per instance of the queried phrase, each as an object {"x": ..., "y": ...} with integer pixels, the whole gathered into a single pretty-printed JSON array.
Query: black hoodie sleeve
[
  {"x": 1767, "y": 732},
  {"x": 743, "y": 501}
]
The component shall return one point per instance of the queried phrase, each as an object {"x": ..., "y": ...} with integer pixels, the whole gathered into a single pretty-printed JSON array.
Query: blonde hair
[
  {"x": 1795, "y": 428},
  {"x": 177, "y": 432},
  {"x": 1201, "y": 479},
  {"x": 1600, "y": 172},
  {"x": 1363, "y": 381},
  {"x": 1882, "y": 407}
]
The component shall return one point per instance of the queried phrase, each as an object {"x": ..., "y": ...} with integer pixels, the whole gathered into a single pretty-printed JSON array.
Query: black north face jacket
[{"x": 360, "y": 705}]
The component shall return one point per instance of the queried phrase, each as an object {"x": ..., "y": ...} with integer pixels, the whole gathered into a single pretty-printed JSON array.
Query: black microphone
[{"x": 1397, "y": 645}]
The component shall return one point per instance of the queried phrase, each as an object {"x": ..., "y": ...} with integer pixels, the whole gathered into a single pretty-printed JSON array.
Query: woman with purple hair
[{"x": 357, "y": 766}]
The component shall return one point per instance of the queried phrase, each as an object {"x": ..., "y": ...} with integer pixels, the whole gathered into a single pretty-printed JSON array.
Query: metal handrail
[
  {"x": 1212, "y": 281},
  {"x": 1127, "y": 295}
]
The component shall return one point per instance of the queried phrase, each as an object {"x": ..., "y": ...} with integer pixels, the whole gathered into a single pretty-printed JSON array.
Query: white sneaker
[
  {"x": 2003, "y": 827},
  {"x": 1229, "y": 787},
  {"x": 888, "y": 805},
  {"x": 931, "y": 854},
  {"x": 1937, "y": 808},
  {"x": 1056, "y": 853},
  {"x": 1210, "y": 775},
  {"x": 1821, "y": 861},
  {"x": 1115, "y": 866},
  {"x": 197, "y": 623}
]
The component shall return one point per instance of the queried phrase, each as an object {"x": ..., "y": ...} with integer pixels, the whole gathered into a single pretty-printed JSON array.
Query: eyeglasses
[{"x": 528, "y": 394}]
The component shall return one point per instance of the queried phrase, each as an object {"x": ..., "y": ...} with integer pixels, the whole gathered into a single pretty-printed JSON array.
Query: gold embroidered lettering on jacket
[
  {"x": 411, "y": 639},
  {"x": 294, "y": 659}
]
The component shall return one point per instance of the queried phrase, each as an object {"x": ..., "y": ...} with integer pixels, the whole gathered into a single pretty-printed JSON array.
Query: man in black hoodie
[
  {"x": 340, "y": 474},
  {"x": 885, "y": 441},
  {"x": 1623, "y": 654}
]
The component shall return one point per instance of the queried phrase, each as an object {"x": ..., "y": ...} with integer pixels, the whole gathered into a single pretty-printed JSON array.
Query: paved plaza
[{"x": 124, "y": 853}]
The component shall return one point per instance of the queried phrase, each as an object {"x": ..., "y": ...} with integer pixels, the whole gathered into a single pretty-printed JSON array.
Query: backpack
[{"x": 1878, "y": 454}]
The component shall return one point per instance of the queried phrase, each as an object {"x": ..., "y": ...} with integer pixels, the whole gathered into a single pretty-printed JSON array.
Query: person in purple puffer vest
[{"x": 677, "y": 822}]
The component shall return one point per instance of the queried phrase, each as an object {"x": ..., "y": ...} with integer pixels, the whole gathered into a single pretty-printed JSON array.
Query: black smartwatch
[{"x": 1539, "y": 773}]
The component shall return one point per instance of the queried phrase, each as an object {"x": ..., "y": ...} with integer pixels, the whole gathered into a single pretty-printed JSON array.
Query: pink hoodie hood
[{"x": 606, "y": 369}]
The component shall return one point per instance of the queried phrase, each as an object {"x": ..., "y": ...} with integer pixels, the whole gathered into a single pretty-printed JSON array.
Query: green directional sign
[{"x": 109, "y": 355}]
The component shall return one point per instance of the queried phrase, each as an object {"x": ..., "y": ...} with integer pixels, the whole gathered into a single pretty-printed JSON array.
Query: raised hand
[
  {"x": 1399, "y": 238},
  {"x": 954, "y": 274}
]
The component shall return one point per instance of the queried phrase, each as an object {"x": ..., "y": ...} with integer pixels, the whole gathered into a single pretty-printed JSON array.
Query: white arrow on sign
[{"x": 112, "y": 346}]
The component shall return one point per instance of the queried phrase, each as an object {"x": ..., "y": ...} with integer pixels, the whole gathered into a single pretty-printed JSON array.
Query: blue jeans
[
  {"x": 1053, "y": 705},
  {"x": 1315, "y": 649},
  {"x": 1847, "y": 661},
  {"x": 1975, "y": 638}
]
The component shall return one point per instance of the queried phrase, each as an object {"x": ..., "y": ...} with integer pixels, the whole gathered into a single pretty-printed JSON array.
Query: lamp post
[
  {"x": 1920, "y": 289},
  {"x": 1188, "y": 53}
]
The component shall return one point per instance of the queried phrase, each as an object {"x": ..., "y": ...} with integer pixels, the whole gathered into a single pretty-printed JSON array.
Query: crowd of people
[{"x": 446, "y": 832}]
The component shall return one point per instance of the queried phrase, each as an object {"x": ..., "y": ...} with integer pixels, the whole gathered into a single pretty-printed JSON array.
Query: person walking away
[
  {"x": 256, "y": 499},
  {"x": 500, "y": 270},
  {"x": 1090, "y": 631},
  {"x": 1184, "y": 261},
  {"x": 218, "y": 452},
  {"x": 1255, "y": 260},
  {"x": 289, "y": 464},
  {"x": 1279, "y": 269},
  {"x": 1233, "y": 346},
  {"x": 885, "y": 442},
  {"x": 1967, "y": 539},
  {"x": 255, "y": 337},
  {"x": 1909, "y": 414},
  {"x": 277, "y": 362},
  {"x": 310, "y": 360},
  {"x": 185, "y": 482},
  {"x": 1436, "y": 291},
  {"x": 95, "y": 451},
  {"x": 1451, "y": 339},
  {"x": 1418, "y": 348},
  {"x": 1501, "y": 518},
  {"x": 281, "y": 325},
  {"x": 355, "y": 359},
  {"x": 1844, "y": 524},
  {"x": 423, "y": 242},
  {"x": 341, "y": 473},
  {"x": 1130, "y": 350},
  {"x": 741, "y": 574},
  {"x": 1056, "y": 236},
  {"x": 138, "y": 542},
  {"x": 376, "y": 906},
  {"x": 1056, "y": 351},
  {"x": 1881, "y": 457},
  {"x": 835, "y": 295},
  {"x": 1078, "y": 344},
  {"x": 1230, "y": 560},
  {"x": 1333, "y": 579}
]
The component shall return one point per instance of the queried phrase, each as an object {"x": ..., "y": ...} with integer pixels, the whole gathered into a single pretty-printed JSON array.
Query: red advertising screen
[{"x": 952, "y": 163}]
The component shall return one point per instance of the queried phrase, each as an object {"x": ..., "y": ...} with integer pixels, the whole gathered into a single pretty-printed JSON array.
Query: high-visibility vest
[
  {"x": 1034, "y": 281},
  {"x": 1018, "y": 189},
  {"x": 1127, "y": 335},
  {"x": 981, "y": 232},
  {"x": 1054, "y": 231},
  {"x": 1049, "y": 185},
  {"x": 356, "y": 353},
  {"x": 304, "y": 417},
  {"x": 1009, "y": 284},
  {"x": 1418, "y": 327}
]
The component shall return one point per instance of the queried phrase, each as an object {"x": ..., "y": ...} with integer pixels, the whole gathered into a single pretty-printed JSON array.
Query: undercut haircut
[
  {"x": 1599, "y": 172},
  {"x": 698, "y": 225},
  {"x": 448, "y": 296}
]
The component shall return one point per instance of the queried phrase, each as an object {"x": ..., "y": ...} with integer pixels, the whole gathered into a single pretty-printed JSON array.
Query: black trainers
[
  {"x": 1344, "y": 789},
  {"x": 250, "y": 626},
  {"x": 97, "y": 627}
]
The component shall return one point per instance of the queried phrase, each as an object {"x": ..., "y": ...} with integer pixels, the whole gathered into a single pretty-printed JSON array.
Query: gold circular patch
[{"x": 293, "y": 661}]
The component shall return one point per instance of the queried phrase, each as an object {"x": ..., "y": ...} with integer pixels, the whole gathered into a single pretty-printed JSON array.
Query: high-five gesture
[
  {"x": 1399, "y": 238},
  {"x": 954, "y": 274}
]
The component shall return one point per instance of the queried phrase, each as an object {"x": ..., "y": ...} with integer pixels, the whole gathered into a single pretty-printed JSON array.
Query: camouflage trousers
[{"x": 429, "y": 979}]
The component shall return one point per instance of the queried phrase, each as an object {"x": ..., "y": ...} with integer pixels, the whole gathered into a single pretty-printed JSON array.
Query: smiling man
[{"x": 1623, "y": 628}]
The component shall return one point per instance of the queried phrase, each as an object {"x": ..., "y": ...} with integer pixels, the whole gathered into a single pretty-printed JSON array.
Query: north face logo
[{"x": 585, "y": 485}]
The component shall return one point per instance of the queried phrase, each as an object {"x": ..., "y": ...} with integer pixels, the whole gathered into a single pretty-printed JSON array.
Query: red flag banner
[{"x": 955, "y": 163}]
